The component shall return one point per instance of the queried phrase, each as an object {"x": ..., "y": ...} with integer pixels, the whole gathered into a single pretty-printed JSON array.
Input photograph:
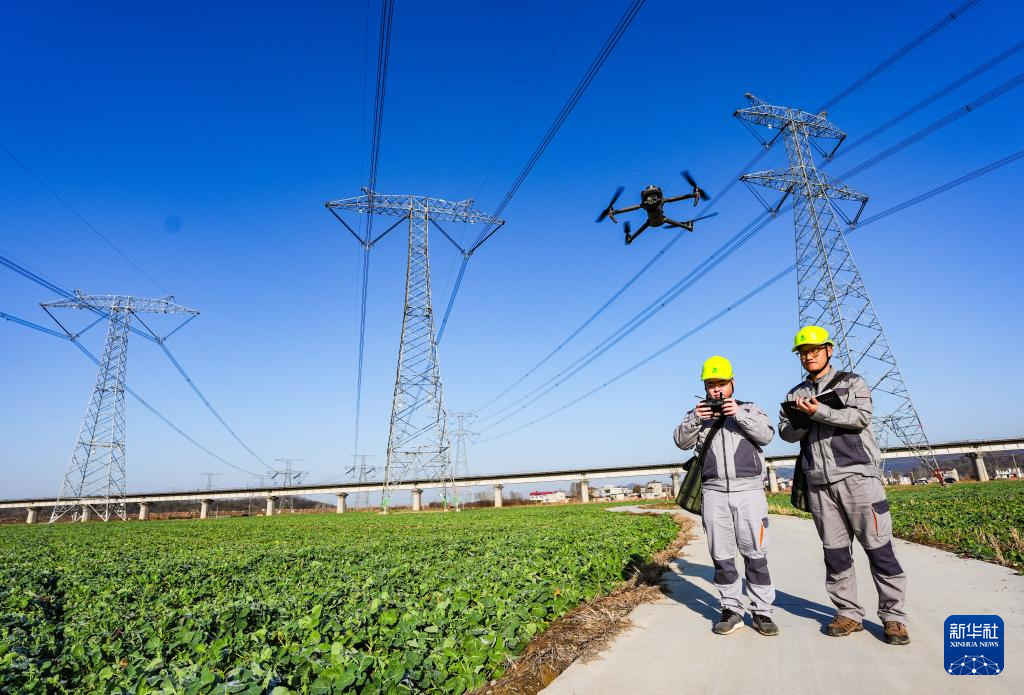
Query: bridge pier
[
  {"x": 585, "y": 490},
  {"x": 204, "y": 509},
  {"x": 143, "y": 511},
  {"x": 980, "y": 471},
  {"x": 86, "y": 513},
  {"x": 33, "y": 515},
  {"x": 271, "y": 503},
  {"x": 675, "y": 484},
  {"x": 342, "y": 502},
  {"x": 773, "y": 479},
  {"x": 497, "y": 495},
  {"x": 417, "y": 500}
]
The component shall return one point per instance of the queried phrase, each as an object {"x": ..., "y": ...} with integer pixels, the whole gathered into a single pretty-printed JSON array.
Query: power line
[
  {"x": 888, "y": 62},
  {"x": 856, "y": 84},
  {"x": 383, "y": 58},
  {"x": 60, "y": 199},
  {"x": 489, "y": 230},
  {"x": 716, "y": 258},
  {"x": 95, "y": 360},
  {"x": 529, "y": 97},
  {"x": 988, "y": 168},
  {"x": 955, "y": 84},
  {"x": 1009, "y": 159},
  {"x": 17, "y": 267},
  {"x": 989, "y": 96},
  {"x": 610, "y": 43},
  {"x": 367, "y": 241}
]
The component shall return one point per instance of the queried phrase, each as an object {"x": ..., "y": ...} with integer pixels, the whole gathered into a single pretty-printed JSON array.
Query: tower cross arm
[
  {"x": 787, "y": 180},
  {"x": 404, "y": 205},
  {"x": 117, "y": 302},
  {"x": 780, "y": 117}
]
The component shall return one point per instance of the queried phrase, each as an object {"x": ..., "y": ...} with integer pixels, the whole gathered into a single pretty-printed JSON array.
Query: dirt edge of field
[{"x": 584, "y": 632}]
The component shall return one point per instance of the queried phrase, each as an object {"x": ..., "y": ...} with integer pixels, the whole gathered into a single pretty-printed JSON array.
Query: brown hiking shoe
[
  {"x": 843, "y": 626},
  {"x": 896, "y": 632}
]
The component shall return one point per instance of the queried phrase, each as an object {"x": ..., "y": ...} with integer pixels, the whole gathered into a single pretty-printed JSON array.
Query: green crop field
[
  {"x": 319, "y": 604},
  {"x": 982, "y": 520}
]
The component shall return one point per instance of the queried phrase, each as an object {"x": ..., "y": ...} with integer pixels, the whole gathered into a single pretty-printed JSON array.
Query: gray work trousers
[
  {"x": 857, "y": 506},
  {"x": 739, "y": 520}
]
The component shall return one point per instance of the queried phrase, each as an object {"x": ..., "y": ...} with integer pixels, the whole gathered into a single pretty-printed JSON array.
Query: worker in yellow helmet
[
  {"x": 727, "y": 436},
  {"x": 829, "y": 413}
]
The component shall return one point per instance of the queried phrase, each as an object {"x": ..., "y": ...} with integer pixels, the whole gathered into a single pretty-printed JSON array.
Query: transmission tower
[
  {"x": 463, "y": 438},
  {"x": 209, "y": 478},
  {"x": 362, "y": 472},
  {"x": 288, "y": 477},
  {"x": 830, "y": 290},
  {"x": 94, "y": 481},
  {"x": 418, "y": 445}
]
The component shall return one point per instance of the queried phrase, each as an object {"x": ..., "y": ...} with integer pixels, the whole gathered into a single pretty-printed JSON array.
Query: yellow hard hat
[
  {"x": 811, "y": 335},
  {"x": 716, "y": 368}
]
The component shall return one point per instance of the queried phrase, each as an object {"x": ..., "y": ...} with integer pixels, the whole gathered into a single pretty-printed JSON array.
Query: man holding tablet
[{"x": 839, "y": 459}]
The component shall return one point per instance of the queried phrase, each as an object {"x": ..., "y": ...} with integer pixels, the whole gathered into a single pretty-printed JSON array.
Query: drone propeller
[
  {"x": 703, "y": 217},
  {"x": 611, "y": 205},
  {"x": 696, "y": 189}
]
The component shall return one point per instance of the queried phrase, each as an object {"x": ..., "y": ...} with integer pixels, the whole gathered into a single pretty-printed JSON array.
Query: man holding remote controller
[
  {"x": 830, "y": 415},
  {"x": 728, "y": 435}
]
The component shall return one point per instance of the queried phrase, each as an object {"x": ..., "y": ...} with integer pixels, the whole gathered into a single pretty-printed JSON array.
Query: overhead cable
[
  {"x": 1009, "y": 159},
  {"x": 581, "y": 87},
  {"x": 17, "y": 267},
  {"x": 726, "y": 250},
  {"x": 720, "y": 195},
  {"x": 60, "y": 199},
  {"x": 49, "y": 331}
]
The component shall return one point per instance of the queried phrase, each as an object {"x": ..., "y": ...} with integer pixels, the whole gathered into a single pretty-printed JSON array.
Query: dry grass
[
  {"x": 588, "y": 629},
  {"x": 786, "y": 510}
]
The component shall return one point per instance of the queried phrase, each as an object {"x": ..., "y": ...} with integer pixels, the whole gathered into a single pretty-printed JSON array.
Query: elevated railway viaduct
[{"x": 975, "y": 449}]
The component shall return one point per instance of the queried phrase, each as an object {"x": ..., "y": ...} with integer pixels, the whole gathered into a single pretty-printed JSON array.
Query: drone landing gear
[
  {"x": 630, "y": 237},
  {"x": 688, "y": 225}
]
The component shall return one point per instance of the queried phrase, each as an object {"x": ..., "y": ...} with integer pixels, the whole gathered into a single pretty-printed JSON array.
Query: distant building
[
  {"x": 900, "y": 480},
  {"x": 548, "y": 497},
  {"x": 652, "y": 491},
  {"x": 1008, "y": 473},
  {"x": 614, "y": 492},
  {"x": 950, "y": 474}
]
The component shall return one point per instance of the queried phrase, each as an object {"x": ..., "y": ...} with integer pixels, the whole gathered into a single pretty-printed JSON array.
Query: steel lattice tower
[
  {"x": 95, "y": 477},
  {"x": 462, "y": 439},
  {"x": 289, "y": 477},
  {"x": 361, "y": 471},
  {"x": 418, "y": 443},
  {"x": 830, "y": 290}
]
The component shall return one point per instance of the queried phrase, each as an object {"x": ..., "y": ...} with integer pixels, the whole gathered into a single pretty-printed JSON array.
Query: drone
[{"x": 652, "y": 200}]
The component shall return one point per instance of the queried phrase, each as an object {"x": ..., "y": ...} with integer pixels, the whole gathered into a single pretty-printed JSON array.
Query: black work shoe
[
  {"x": 731, "y": 622},
  {"x": 843, "y": 626},
  {"x": 896, "y": 632},
  {"x": 764, "y": 624}
]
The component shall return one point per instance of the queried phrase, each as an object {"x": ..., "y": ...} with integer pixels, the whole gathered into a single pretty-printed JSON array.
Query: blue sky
[{"x": 203, "y": 140}]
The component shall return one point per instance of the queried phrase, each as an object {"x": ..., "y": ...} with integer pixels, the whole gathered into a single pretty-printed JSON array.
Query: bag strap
[{"x": 699, "y": 463}]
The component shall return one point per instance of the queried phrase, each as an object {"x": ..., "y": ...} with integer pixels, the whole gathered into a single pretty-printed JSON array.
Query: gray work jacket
[
  {"x": 839, "y": 442},
  {"x": 735, "y": 461}
]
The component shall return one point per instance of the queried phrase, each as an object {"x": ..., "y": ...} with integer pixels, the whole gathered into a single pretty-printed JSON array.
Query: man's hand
[
  {"x": 807, "y": 405},
  {"x": 703, "y": 411},
  {"x": 730, "y": 407}
]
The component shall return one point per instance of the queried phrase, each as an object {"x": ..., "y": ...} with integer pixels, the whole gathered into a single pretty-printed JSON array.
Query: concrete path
[{"x": 673, "y": 650}]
